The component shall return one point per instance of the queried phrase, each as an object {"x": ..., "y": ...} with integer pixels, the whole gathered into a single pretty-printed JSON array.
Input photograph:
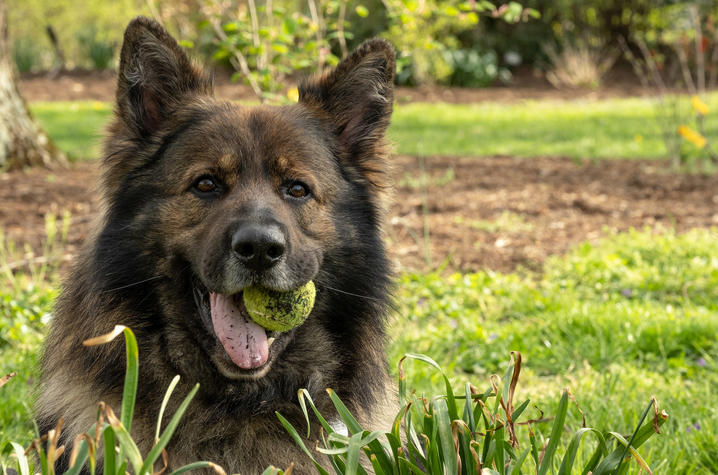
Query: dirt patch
[
  {"x": 480, "y": 213},
  {"x": 100, "y": 86}
]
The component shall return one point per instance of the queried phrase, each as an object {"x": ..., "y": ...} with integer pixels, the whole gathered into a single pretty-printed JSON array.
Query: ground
[
  {"x": 481, "y": 213},
  {"x": 464, "y": 214}
]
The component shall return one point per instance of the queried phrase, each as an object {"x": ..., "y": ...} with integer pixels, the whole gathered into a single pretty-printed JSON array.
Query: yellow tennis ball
[{"x": 279, "y": 311}]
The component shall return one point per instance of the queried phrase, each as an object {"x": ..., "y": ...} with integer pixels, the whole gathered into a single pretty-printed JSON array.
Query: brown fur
[{"x": 160, "y": 242}]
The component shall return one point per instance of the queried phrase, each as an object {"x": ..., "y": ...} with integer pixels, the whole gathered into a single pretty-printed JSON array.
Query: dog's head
[{"x": 225, "y": 196}]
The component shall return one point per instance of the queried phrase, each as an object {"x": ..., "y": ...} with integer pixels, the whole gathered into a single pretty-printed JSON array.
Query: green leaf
[
  {"x": 411, "y": 468},
  {"x": 519, "y": 410},
  {"x": 555, "y": 436},
  {"x": 195, "y": 466},
  {"x": 362, "y": 11},
  {"x": 163, "y": 406},
  {"x": 280, "y": 48},
  {"x": 446, "y": 438},
  {"x": 354, "y": 427},
  {"x": 451, "y": 399},
  {"x": 298, "y": 439},
  {"x": 110, "y": 462},
  {"x": 129, "y": 393},
  {"x": 19, "y": 451},
  {"x": 127, "y": 445},
  {"x": 156, "y": 451},
  {"x": 353, "y": 451},
  {"x": 570, "y": 456},
  {"x": 516, "y": 464}
]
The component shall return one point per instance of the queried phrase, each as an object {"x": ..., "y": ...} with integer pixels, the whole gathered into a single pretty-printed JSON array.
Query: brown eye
[
  {"x": 298, "y": 190},
  {"x": 205, "y": 185}
]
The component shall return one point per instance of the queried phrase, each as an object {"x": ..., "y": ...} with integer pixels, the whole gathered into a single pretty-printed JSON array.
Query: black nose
[{"x": 259, "y": 247}]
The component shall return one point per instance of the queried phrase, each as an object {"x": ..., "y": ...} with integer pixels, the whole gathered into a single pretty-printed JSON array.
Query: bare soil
[
  {"x": 100, "y": 86},
  {"x": 474, "y": 213}
]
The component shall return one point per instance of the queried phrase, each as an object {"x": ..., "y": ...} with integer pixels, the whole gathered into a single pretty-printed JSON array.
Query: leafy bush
[
  {"x": 26, "y": 54},
  {"x": 267, "y": 42},
  {"x": 99, "y": 51},
  {"x": 472, "y": 68}
]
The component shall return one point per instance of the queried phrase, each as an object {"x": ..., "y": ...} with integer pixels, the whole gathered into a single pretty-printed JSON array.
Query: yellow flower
[
  {"x": 692, "y": 136},
  {"x": 699, "y": 105},
  {"x": 293, "y": 94},
  {"x": 638, "y": 138}
]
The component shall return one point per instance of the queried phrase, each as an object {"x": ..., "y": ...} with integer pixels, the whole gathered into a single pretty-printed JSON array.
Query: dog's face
[{"x": 230, "y": 196}]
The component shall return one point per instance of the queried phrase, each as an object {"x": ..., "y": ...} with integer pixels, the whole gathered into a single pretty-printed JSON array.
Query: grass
[
  {"x": 616, "y": 323},
  {"x": 582, "y": 129},
  {"x": 632, "y": 317}
]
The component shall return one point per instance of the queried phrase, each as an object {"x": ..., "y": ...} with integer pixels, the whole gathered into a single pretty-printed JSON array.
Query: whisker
[
  {"x": 132, "y": 284},
  {"x": 368, "y": 297}
]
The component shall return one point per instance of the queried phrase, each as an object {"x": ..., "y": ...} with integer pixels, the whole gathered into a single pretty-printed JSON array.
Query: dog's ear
[
  {"x": 357, "y": 97},
  {"x": 155, "y": 76}
]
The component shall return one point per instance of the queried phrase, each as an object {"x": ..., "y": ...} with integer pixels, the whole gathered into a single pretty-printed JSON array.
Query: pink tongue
[{"x": 244, "y": 341}]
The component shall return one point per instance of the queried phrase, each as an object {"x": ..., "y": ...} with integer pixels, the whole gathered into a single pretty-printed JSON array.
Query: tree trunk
[{"x": 23, "y": 143}]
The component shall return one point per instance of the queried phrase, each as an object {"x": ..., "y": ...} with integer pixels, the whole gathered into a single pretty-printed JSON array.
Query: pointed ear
[
  {"x": 357, "y": 96},
  {"x": 155, "y": 75}
]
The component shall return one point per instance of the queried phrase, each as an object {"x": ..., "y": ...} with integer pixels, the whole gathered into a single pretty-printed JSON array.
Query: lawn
[
  {"x": 586, "y": 129},
  {"x": 632, "y": 317}
]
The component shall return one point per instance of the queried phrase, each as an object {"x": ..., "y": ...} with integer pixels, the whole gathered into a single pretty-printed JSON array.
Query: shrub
[
  {"x": 579, "y": 66},
  {"x": 472, "y": 68},
  {"x": 27, "y": 55},
  {"x": 99, "y": 51}
]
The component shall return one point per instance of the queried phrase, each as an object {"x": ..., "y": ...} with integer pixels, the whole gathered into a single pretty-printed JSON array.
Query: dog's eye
[
  {"x": 206, "y": 185},
  {"x": 298, "y": 189}
]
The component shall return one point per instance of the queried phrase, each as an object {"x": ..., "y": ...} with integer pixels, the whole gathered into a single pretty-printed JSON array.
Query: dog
[{"x": 202, "y": 198}]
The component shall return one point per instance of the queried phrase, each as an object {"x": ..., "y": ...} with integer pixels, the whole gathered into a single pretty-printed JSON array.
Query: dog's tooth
[{"x": 270, "y": 341}]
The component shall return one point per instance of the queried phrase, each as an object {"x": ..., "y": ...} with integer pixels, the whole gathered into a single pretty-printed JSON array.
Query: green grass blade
[
  {"x": 19, "y": 450},
  {"x": 570, "y": 457},
  {"x": 129, "y": 393},
  {"x": 451, "y": 398},
  {"x": 354, "y": 427},
  {"x": 410, "y": 467},
  {"x": 468, "y": 408},
  {"x": 304, "y": 396},
  {"x": 555, "y": 436},
  {"x": 165, "y": 400},
  {"x": 378, "y": 469},
  {"x": 83, "y": 452},
  {"x": 272, "y": 470},
  {"x": 197, "y": 466},
  {"x": 110, "y": 461},
  {"x": 516, "y": 464},
  {"x": 446, "y": 439},
  {"x": 156, "y": 451},
  {"x": 632, "y": 451},
  {"x": 128, "y": 446},
  {"x": 499, "y": 459},
  {"x": 346, "y": 416},
  {"x": 353, "y": 451},
  {"x": 298, "y": 439},
  {"x": 520, "y": 410},
  {"x": 611, "y": 462}
]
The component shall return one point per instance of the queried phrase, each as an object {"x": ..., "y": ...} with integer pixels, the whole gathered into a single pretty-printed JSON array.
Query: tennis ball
[{"x": 279, "y": 311}]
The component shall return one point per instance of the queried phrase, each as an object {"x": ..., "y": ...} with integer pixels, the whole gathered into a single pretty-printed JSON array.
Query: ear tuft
[
  {"x": 155, "y": 75},
  {"x": 357, "y": 97}
]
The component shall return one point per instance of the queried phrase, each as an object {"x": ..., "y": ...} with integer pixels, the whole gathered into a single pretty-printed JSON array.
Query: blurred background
[{"x": 555, "y": 184}]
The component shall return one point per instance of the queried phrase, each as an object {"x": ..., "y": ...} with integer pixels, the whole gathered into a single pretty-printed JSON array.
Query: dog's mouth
[{"x": 243, "y": 348}]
